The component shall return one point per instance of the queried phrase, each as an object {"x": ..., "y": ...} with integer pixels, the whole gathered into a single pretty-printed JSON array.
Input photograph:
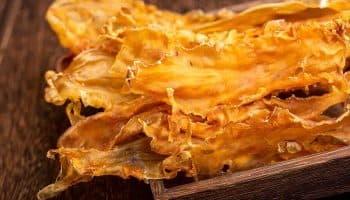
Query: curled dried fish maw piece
[
  {"x": 73, "y": 112},
  {"x": 326, "y": 143},
  {"x": 131, "y": 159},
  {"x": 83, "y": 24},
  {"x": 79, "y": 24},
  {"x": 224, "y": 114},
  {"x": 95, "y": 132},
  {"x": 161, "y": 136},
  {"x": 104, "y": 130},
  {"x": 312, "y": 106},
  {"x": 241, "y": 91},
  {"x": 89, "y": 147},
  {"x": 248, "y": 69},
  {"x": 66, "y": 178},
  {"x": 251, "y": 146},
  {"x": 135, "y": 124},
  {"x": 181, "y": 161},
  {"x": 259, "y": 15},
  {"x": 152, "y": 49},
  {"x": 89, "y": 79}
]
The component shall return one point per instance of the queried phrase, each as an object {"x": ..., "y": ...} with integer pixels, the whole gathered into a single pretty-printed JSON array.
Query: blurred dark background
[{"x": 29, "y": 126}]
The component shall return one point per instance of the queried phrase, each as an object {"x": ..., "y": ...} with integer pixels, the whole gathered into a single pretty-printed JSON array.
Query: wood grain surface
[{"x": 29, "y": 126}]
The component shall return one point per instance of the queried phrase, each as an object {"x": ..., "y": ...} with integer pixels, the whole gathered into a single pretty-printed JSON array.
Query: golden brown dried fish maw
[
  {"x": 89, "y": 79},
  {"x": 78, "y": 24},
  {"x": 265, "y": 85},
  {"x": 132, "y": 159},
  {"x": 256, "y": 142},
  {"x": 284, "y": 56},
  {"x": 312, "y": 106},
  {"x": 107, "y": 140},
  {"x": 104, "y": 130},
  {"x": 67, "y": 177},
  {"x": 259, "y": 15}
]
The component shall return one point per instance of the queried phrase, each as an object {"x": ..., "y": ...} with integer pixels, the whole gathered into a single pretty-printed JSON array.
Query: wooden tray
[{"x": 308, "y": 177}]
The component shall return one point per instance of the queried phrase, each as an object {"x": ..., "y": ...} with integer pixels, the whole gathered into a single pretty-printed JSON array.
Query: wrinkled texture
[{"x": 240, "y": 90}]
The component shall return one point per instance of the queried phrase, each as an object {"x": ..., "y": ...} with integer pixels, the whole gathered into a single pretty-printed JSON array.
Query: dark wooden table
[{"x": 29, "y": 126}]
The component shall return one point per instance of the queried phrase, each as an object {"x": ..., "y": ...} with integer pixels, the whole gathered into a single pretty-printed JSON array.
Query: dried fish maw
[
  {"x": 78, "y": 24},
  {"x": 284, "y": 56},
  {"x": 257, "y": 141},
  {"x": 79, "y": 165},
  {"x": 241, "y": 90},
  {"x": 89, "y": 79},
  {"x": 259, "y": 15}
]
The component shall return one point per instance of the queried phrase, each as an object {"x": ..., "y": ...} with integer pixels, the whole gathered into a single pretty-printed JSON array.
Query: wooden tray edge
[{"x": 328, "y": 170}]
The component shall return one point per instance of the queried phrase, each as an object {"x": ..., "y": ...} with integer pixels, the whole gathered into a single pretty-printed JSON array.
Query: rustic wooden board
[{"x": 28, "y": 125}]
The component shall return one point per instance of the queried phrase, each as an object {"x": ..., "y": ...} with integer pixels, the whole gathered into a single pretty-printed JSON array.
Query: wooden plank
[
  {"x": 24, "y": 58},
  {"x": 3, "y": 4},
  {"x": 157, "y": 189},
  {"x": 8, "y": 23},
  {"x": 308, "y": 177}
]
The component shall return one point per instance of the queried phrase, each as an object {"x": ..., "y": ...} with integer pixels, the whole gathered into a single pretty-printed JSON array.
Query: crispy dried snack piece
[
  {"x": 283, "y": 57},
  {"x": 79, "y": 24},
  {"x": 80, "y": 165},
  {"x": 242, "y": 90},
  {"x": 88, "y": 79},
  {"x": 289, "y": 11}
]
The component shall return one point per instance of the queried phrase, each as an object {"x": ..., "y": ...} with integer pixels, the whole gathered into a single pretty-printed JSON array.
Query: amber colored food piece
[
  {"x": 80, "y": 23},
  {"x": 241, "y": 90}
]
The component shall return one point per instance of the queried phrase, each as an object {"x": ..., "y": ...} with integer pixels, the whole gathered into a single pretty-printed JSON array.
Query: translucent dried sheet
[
  {"x": 289, "y": 10},
  {"x": 79, "y": 24},
  {"x": 89, "y": 79},
  {"x": 284, "y": 138},
  {"x": 241, "y": 90},
  {"x": 131, "y": 159},
  {"x": 283, "y": 57}
]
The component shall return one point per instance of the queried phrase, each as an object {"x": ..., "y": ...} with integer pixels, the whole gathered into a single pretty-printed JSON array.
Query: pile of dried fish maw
[{"x": 240, "y": 90}]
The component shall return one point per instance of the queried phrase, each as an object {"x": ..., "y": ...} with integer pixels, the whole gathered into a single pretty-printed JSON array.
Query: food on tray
[{"x": 200, "y": 93}]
